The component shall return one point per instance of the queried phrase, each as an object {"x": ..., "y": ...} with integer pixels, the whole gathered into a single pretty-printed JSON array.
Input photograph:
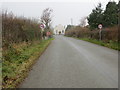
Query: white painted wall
[{"x": 59, "y": 28}]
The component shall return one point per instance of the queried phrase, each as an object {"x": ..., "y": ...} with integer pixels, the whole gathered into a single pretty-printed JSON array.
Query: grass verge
[
  {"x": 18, "y": 61},
  {"x": 111, "y": 44}
]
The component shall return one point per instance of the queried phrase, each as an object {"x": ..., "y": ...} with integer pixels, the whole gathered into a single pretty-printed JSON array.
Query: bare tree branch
[
  {"x": 46, "y": 17},
  {"x": 83, "y": 21}
]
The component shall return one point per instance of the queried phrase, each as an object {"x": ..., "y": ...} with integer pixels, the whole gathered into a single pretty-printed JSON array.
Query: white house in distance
[{"x": 59, "y": 29}]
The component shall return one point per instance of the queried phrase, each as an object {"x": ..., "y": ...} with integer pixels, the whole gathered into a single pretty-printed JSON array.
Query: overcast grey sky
[{"x": 63, "y": 11}]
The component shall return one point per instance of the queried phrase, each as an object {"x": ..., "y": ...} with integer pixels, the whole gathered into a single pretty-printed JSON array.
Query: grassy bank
[
  {"x": 18, "y": 60},
  {"x": 110, "y": 44}
]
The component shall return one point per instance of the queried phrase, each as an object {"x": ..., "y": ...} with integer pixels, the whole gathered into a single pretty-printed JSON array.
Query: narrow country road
[{"x": 72, "y": 63}]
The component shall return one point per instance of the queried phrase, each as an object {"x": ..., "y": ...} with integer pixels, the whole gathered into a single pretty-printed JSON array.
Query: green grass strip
[
  {"x": 111, "y": 44},
  {"x": 16, "y": 68}
]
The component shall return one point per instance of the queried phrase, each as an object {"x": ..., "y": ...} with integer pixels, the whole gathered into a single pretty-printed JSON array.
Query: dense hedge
[
  {"x": 18, "y": 29},
  {"x": 107, "y": 33}
]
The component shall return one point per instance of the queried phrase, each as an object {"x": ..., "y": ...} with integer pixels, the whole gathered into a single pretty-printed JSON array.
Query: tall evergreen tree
[
  {"x": 118, "y": 12},
  {"x": 95, "y": 18},
  {"x": 110, "y": 17}
]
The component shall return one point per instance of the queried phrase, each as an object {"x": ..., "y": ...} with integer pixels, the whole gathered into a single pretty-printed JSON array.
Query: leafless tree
[
  {"x": 83, "y": 21},
  {"x": 46, "y": 17}
]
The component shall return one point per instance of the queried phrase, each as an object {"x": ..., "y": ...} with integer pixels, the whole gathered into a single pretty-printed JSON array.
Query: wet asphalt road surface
[{"x": 72, "y": 63}]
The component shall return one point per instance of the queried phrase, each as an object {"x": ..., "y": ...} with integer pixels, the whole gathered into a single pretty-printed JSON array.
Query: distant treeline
[{"x": 18, "y": 29}]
